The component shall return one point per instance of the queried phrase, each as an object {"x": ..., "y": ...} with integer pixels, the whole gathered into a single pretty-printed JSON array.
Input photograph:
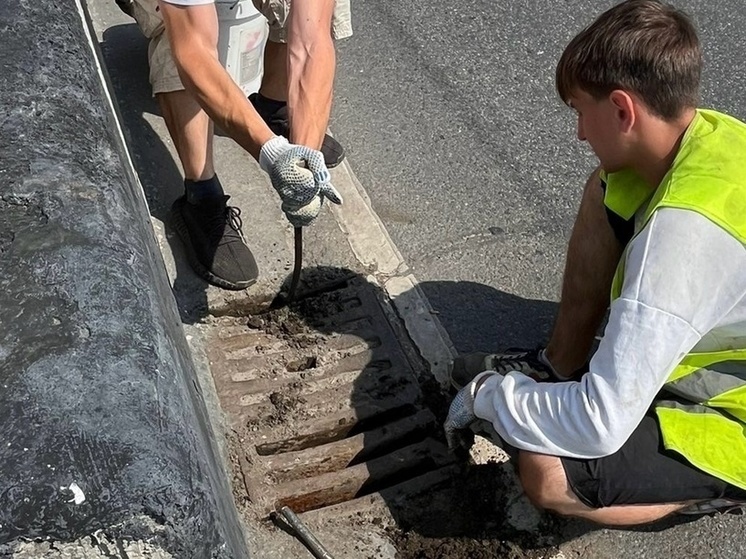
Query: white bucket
[{"x": 243, "y": 33}]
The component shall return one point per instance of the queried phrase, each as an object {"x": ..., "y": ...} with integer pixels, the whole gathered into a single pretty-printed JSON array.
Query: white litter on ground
[{"x": 78, "y": 495}]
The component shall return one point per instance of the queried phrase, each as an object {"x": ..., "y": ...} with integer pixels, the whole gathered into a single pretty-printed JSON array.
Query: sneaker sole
[
  {"x": 196, "y": 265},
  {"x": 331, "y": 165}
]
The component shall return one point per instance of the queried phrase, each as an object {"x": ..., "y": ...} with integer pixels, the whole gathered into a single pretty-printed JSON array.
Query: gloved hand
[
  {"x": 300, "y": 177},
  {"x": 461, "y": 414}
]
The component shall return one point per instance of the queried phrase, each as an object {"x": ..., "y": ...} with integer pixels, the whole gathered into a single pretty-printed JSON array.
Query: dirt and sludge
[{"x": 330, "y": 414}]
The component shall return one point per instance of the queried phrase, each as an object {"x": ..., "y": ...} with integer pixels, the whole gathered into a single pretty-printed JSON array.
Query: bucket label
[{"x": 250, "y": 63}]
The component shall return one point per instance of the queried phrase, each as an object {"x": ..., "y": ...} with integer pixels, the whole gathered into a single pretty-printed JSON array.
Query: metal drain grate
[{"x": 325, "y": 402}]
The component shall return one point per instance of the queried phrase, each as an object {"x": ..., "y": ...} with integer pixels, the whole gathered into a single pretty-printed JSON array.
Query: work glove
[
  {"x": 300, "y": 177},
  {"x": 461, "y": 415}
]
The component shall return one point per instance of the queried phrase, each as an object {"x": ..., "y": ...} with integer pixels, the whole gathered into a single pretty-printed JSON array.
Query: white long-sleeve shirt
[{"x": 684, "y": 289}]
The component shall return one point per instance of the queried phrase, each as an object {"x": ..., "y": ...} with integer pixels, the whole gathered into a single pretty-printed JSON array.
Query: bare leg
[
  {"x": 191, "y": 131},
  {"x": 543, "y": 479},
  {"x": 275, "y": 79},
  {"x": 592, "y": 257}
]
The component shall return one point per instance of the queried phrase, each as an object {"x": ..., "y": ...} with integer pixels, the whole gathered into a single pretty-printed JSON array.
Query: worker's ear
[{"x": 625, "y": 110}]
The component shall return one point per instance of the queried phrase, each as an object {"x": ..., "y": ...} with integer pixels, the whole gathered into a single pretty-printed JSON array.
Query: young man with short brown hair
[{"x": 656, "y": 423}]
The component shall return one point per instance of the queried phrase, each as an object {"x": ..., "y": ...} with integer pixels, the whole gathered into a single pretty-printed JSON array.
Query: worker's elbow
[
  {"x": 190, "y": 54},
  {"x": 189, "y": 62},
  {"x": 607, "y": 442},
  {"x": 605, "y": 449},
  {"x": 184, "y": 54}
]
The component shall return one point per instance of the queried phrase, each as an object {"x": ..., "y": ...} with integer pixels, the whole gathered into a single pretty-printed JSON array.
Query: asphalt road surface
[{"x": 452, "y": 124}]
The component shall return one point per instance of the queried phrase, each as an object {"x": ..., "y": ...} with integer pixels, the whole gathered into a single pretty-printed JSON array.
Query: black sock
[
  {"x": 269, "y": 105},
  {"x": 197, "y": 191}
]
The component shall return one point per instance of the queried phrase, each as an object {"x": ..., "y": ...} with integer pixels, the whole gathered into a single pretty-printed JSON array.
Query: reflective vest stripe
[{"x": 708, "y": 383}]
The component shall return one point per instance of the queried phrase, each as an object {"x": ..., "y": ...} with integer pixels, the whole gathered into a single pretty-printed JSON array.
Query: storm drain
[{"x": 327, "y": 407}]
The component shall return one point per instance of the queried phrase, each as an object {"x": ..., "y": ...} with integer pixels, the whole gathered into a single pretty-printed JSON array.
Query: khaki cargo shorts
[{"x": 163, "y": 74}]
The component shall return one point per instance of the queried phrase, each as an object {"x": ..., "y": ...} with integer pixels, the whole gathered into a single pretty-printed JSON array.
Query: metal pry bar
[
  {"x": 304, "y": 534},
  {"x": 298, "y": 263}
]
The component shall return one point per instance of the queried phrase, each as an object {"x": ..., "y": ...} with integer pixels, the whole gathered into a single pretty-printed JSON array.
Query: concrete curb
[
  {"x": 374, "y": 249},
  {"x": 107, "y": 447}
]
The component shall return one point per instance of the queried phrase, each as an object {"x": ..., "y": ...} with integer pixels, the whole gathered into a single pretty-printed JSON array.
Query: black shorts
[{"x": 643, "y": 472}]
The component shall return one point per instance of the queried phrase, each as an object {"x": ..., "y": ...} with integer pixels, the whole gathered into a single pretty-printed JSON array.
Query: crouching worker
[{"x": 656, "y": 422}]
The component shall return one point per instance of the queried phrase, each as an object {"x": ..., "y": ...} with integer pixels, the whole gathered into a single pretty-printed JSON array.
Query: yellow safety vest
[{"x": 702, "y": 407}]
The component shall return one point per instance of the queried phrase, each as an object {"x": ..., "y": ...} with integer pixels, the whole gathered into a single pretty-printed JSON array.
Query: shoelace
[
  {"x": 734, "y": 508},
  {"x": 516, "y": 362},
  {"x": 721, "y": 506},
  {"x": 216, "y": 229}
]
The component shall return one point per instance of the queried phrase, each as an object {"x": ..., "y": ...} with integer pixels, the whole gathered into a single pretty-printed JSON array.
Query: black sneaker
[
  {"x": 215, "y": 246},
  {"x": 275, "y": 114},
  {"x": 126, "y": 7},
  {"x": 465, "y": 367},
  {"x": 715, "y": 505}
]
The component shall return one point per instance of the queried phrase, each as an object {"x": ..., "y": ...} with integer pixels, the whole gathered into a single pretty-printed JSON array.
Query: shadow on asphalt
[
  {"x": 125, "y": 55},
  {"x": 478, "y": 317}
]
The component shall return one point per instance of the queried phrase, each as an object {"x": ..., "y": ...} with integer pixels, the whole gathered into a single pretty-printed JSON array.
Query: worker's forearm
[
  {"x": 193, "y": 34},
  {"x": 221, "y": 98},
  {"x": 311, "y": 65}
]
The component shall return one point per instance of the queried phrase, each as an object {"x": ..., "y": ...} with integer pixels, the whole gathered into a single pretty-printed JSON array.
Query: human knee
[
  {"x": 544, "y": 482},
  {"x": 538, "y": 492}
]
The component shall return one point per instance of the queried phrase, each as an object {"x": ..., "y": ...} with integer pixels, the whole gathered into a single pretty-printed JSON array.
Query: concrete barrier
[{"x": 105, "y": 443}]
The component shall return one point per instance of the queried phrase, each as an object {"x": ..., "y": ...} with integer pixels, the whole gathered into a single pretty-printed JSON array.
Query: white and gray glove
[
  {"x": 300, "y": 177},
  {"x": 461, "y": 414}
]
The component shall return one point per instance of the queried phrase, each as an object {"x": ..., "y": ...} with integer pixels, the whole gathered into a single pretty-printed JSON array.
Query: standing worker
[
  {"x": 656, "y": 422},
  {"x": 283, "y": 126}
]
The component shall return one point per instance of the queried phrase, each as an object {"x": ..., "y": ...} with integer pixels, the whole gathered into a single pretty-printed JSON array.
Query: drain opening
[{"x": 302, "y": 364}]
